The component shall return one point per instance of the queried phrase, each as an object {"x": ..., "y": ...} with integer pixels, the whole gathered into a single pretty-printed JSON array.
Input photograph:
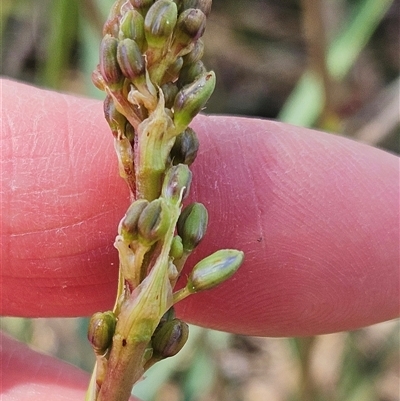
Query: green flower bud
[
  {"x": 203, "y": 5},
  {"x": 108, "y": 66},
  {"x": 190, "y": 26},
  {"x": 214, "y": 269},
  {"x": 130, "y": 59},
  {"x": 185, "y": 147},
  {"x": 176, "y": 251},
  {"x": 128, "y": 227},
  {"x": 191, "y": 72},
  {"x": 176, "y": 183},
  {"x": 170, "y": 90},
  {"x": 192, "y": 225},
  {"x": 192, "y": 98},
  {"x": 154, "y": 221},
  {"x": 101, "y": 330},
  {"x": 160, "y": 22},
  {"x": 132, "y": 27},
  {"x": 170, "y": 338},
  {"x": 195, "y": 54}
]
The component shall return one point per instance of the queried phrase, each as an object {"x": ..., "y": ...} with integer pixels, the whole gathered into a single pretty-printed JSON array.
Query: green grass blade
[
  {"x": 61, "y": 37},
  {"x": 305, "y": 103}
]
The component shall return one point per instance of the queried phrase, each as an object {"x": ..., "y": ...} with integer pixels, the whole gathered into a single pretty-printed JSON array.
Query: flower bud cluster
[
  {"x": 155, "y": 82},
  {"x": 150, "y": 53}
]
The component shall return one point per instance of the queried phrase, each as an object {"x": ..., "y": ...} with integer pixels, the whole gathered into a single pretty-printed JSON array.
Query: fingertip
[{"x": 317, "y": 217}]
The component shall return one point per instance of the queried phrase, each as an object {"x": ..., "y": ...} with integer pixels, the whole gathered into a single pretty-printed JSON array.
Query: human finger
[
  {"x": 27, "y": 375},
  {"x": 315, "y": 214}
]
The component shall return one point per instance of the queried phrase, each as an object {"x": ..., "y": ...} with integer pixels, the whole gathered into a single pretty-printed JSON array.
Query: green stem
[
  {"x": 137, "y": 321},
  {"x": 181, "y": 294}
]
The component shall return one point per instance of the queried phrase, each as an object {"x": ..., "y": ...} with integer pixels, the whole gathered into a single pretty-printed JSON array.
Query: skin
[{"x": 316, "y": 215}]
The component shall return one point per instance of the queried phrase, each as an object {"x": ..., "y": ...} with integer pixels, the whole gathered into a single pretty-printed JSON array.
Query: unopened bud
[
  {"x": 203, "y": 5},
  {"x": 160, "y": 22},
  {"x": 132, "y": 27},
  {"x": 185, "y": 147},
  {"x": 176, "y": 251},
  {"x": 214, "y": 269},
  {"x": 192, "y": 225},
  {"x": 192, "y": 98},
  {"x": 190, "y": 26},
  {"x": 130, "y": 59},
  {"x": 101, "y": 330},
  {"x": 176, "y": 183},
  {"x": 154, "y": 221},
  {"x": 128, "y": 227},
  {"x": 108, "y": 66},
  {"x": 170, "y": 338}
]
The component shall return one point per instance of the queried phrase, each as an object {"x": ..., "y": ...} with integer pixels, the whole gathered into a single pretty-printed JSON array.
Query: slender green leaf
[
  {"x": 305, "y": 103},
  {"x": 61, "y": 37}
]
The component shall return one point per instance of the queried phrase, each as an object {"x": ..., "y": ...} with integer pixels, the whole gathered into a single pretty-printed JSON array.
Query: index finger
[{"x": 317, "y": 216}]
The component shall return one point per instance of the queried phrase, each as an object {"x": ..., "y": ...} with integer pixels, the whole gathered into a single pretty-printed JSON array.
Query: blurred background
[{"x": 328, "y": 64}]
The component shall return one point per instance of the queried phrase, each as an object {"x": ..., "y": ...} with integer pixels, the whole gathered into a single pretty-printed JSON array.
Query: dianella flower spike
[{"x": 155, "y": 83}]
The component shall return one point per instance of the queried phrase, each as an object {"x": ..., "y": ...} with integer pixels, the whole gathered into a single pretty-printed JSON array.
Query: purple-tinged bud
[
  {"x": 185, "y": 147},
  {"x": 101, "y": 330},
  {"x": 170, "y": 338},
  {"x": 132, "y": 27},
  {"x": 176, "y": 183},
  {"x": 154, "y": 221},
  {"x": 203, "y": 5},
  {"x": 190, "y": 26},
  {"x": 192, "y": 225},
  {"x": 192, "y": 98},
  {"x": 214, "y": 269},
  {"x": 128, "y": 227},
  {"x": 160, "y": 22},
  {"x": 108, "y": 66},
  {"x": 130, "y": 59}
]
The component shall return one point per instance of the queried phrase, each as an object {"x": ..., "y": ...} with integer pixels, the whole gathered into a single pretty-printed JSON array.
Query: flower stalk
[{"x": 150, "y": 68}]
